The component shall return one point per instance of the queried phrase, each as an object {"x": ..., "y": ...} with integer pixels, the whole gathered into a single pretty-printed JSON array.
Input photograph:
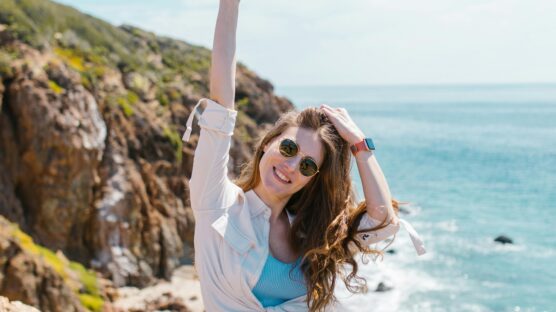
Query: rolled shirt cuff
[{"x": 217, "y": 117}]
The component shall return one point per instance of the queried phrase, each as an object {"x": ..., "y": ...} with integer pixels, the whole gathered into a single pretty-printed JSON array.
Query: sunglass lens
[
  {"x": 308, "y": 167},
  {"x": 288, "y": 148}
]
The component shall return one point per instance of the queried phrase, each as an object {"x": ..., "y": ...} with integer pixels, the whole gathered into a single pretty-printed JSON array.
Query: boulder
[
  {"x": 383, "y": 286},
  {"x": 503, "y": 239}
]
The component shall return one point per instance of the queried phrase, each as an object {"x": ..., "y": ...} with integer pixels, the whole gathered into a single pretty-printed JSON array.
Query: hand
[{"x": 342, "y": 122}]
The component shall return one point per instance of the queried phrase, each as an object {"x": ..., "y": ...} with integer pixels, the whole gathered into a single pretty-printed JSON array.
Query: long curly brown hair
[{"x": 326, "y": 205}]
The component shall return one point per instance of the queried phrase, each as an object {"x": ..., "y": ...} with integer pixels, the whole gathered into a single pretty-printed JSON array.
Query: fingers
[
  {"x": 334, "y": 109},
  {"x": 327, "y": 109}
]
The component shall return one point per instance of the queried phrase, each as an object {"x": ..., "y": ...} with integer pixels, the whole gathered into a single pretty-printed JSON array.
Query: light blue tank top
[{"x": 276, "y": 286}]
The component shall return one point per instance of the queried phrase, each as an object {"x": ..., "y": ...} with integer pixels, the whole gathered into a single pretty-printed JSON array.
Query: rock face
[
  {"x": 58, "y": 152},
  {"x": 91, "y": 161},
  {"x": 26, "y": 277},
  {"x": 15, "y": 306}
]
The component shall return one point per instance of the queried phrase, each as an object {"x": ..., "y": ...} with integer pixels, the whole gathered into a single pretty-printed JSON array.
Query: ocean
[{"x": 476, "y": 162}]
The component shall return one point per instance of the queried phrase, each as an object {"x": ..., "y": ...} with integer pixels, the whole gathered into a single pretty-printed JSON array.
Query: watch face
[{"x": 370, "y": 144}]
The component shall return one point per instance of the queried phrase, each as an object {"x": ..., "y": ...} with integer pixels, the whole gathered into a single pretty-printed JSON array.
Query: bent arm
[
  {"x": 375, "y": 188},
  {"x": 223, "y": 66},
  {"x": 379, "y": 205}
]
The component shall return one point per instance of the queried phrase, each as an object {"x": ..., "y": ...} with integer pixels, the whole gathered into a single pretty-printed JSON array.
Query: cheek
[{"x": 265, "y": 164}]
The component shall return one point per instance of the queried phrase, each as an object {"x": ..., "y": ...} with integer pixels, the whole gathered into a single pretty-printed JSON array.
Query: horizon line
[{"x": 438, "y": 84}]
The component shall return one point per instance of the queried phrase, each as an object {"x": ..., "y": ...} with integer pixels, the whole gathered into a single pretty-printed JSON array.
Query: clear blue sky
[{"x": 322, "y": 42}]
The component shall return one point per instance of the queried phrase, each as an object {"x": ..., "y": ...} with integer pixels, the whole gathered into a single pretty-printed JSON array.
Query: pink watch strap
[{"x": 363, "y": 145}]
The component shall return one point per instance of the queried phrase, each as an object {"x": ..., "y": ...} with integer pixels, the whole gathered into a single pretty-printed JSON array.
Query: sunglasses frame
[{"x": 302, "y": 159}]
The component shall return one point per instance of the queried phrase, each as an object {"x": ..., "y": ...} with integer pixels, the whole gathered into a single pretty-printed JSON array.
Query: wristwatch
[{"x": 364, "y": 145}]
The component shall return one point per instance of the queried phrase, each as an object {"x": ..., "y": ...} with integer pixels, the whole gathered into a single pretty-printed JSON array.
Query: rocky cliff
[{"x": 91, "y": 161}]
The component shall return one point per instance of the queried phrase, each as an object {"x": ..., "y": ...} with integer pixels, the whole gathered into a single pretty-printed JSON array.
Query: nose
[{"x": 291, "y": 163}]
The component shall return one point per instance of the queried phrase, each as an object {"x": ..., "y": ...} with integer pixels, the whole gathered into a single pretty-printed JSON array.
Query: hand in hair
[{"x": 343, "y": 123}]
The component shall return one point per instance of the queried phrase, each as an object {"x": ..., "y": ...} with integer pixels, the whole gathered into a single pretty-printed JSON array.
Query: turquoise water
[{"x": 476, "y": 162}]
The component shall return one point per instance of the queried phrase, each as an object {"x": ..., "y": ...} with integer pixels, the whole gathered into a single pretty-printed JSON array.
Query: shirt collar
[{"x": 258, "y": 206}]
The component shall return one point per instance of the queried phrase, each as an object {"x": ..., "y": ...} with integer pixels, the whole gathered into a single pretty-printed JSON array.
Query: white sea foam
[
  {"x": 448, "y": 225},
  {"x": 405, "y": 282},
  {"x": 487, "y": 246}
]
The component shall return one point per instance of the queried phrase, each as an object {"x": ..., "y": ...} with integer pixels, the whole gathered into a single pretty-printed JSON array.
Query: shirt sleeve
[
  {"x": 374, "y": 237},
  {"x": 210, "y": 188}
]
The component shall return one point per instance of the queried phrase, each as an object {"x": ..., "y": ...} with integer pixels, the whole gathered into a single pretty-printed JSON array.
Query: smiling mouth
[{"x": 280, "y": 177}]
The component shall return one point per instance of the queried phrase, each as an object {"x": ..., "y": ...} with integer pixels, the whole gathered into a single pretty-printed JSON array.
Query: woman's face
[{"x": 280, "y": 175}]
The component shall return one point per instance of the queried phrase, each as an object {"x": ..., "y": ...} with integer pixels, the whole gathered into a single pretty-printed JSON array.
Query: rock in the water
[
  {"x": 503, "y": 239},
  {"x": 382, "y": 286}
]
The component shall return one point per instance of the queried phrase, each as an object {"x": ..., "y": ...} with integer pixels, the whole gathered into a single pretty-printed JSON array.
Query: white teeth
[{"x": 281, "y": 176}]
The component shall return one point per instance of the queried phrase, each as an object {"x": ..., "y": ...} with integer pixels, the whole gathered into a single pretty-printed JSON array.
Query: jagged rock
[
  {"x": 15, "y": 306},
  {"x": 182, "y": 291},
  {"x": 49, "y": 281},
  {"x": 10, "y": 205},
  {"x": 1, "y": 94},
  {"x": 140, "y": 85},
  {"x": 60, "y": 142},
  {"x": 382, "y": 287},
  {"x": 61, "y": 75},
  {"x": 166, "y": 302},
  {"x": 261, "y": 104},
  {"x": 503, "y": 239},
  {"x": 25, "y": 277}
]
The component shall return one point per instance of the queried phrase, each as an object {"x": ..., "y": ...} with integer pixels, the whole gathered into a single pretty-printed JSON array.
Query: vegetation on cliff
[
  {"x": 74, "y": 280},
  {"x": 86, "y": 287}
]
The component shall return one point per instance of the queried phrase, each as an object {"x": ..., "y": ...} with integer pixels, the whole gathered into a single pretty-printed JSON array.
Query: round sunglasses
[{"x": 308, "y": 167}]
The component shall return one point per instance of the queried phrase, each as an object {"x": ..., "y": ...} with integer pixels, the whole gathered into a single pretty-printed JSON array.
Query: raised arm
[
  {"x": 210, "y": 188},
  {"x": 223, "y": 68}
]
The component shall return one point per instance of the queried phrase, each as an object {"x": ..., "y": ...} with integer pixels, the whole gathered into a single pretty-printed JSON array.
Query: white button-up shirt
[{"x": 232, "y": 226}]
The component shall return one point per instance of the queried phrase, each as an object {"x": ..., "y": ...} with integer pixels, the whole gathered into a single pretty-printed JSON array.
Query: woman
[{"x": 276, "y": 239}]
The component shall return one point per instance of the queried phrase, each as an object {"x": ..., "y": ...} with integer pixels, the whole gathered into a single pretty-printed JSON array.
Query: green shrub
[
  {"x": 5, "y": 64},
  {"x": 162, "y": 98},
  {"x": 71, "y": 57},
  {"x": 132, "y": 97},
  {"x": 243, "y": 103},
  {"x": 175, "y": 139},
  {"x": 55, "y": 87},
  {"x": 87, "y": 277},
  {"x": 125, "y": 106},
  {"x": 241, "y": 127},
  {"x": 47, "y": 255},
  {"x": 92, "y": 303}
]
